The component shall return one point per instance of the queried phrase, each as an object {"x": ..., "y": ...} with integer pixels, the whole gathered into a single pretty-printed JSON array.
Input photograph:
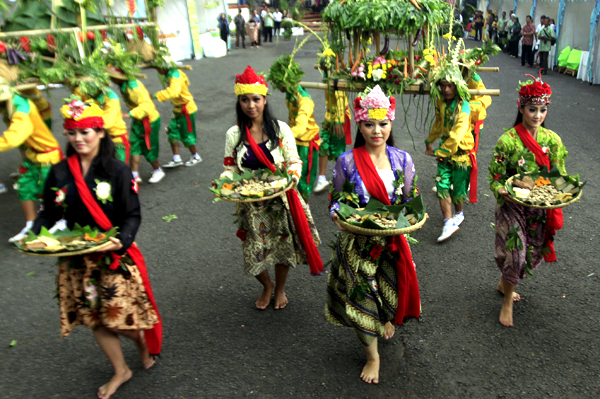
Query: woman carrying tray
[
  {"x": 528, "y": 146},
  {"x": 280, "y": 231},
  {"x": 380, "y": 267},
  {"x": 107, "y": 291}
]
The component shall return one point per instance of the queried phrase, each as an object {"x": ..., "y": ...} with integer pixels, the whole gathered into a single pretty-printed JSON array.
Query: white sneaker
[
  {"x": 449, "y": 228},
  {"x": 322, "y": 183},
  {"x": 458, "y": 218},
  {"x": 138, "y": 179},
  {"x": 173, "y": 164},
  {"x": 156, "y": 176},
  {"x": 2, "y": 188},
  {"x": 60, "y": 225},
  {"x": 20, "y": 236},
  {"x": 193, "y": 161},
  {"x": 434, "y": 189}
]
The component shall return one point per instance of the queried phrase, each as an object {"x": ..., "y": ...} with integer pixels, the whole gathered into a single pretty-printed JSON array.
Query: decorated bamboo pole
[
  {"x": 410, "y": 89},
  {"x": 39, "y": 32},
  {"x": 148, "y": 65},
  {"x": 411, "y": 53}
]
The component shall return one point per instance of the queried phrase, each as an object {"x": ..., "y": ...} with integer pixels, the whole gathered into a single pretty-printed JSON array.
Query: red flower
[
  {"x": 134, "y": 186},
  {"x": 22, "y": 170},
  {"x": 392, "y": 103},
  {"x": 228, "y": 161},
  {"x": 478, "y": 62},
  {"x": 284, "y": 238},
  {"x": 393, "y": 247},
  {"x": 241, "y": 234},
  {"x": 376, "y": 251},
  {"x": 25, "y": 44},
  {"x": 496, "y": 177},
  {"x": 536, "y": 89},
  {"x": 357, "y": 102}
]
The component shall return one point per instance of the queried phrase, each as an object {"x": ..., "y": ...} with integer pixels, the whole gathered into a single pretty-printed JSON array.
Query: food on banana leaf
[
  {"x": 66, "y": 240},
  {"x": 549, "y": 189},
  {"x": 252, "y": 185}
]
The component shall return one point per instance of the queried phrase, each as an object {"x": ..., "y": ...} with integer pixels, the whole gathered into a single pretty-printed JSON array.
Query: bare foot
[
  {"x": 281, "y": 300},
  {"x": 506, "y": 314},
  {"x": 389, "y": 330},
  {"x": 108, "y": 389},
  {"x": 370, "y": 373},
  {"x": 265, "y": 297},
  {"x": 500, "y": 288}
]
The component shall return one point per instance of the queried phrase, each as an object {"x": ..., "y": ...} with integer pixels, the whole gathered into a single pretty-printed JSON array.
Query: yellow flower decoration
[
  {"x": 328, "y": 53},
  {"x": 447, "y": 35},
  {"x": 377, "y": 114},
  {"x": 369, "y": 41},
  {"x": 425, "y": 51}
]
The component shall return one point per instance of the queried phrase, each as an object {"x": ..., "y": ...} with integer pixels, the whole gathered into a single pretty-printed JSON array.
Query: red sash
[
  {"x": 147, "y": 131},
  {"x": 127, "y": 147},
  {"x": 409, "y": 302},
  {"x": 311, "y": 146},
  {"x": 185, "y": 112},
  {"x": 472, "y": 153},
  {"x": 312, "y": 254},
  {"x": 347, "y": 126},
  {"x": 554, "y": 217},
  {"x": 153, "y": 336}
]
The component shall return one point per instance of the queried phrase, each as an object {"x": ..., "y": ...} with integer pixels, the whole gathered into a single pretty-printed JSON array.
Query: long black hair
[
  {"x": 106, "y": 153},
  {"x": 520, "y": 118},
  {"x": 359, "y": 141},
  {"x": 270, "y": 124}
]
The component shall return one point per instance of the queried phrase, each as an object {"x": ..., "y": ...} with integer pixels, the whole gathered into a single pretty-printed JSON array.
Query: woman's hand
[
  {"x": 337, "y": 223},
  {"x": 114, "y": 246},
  {"x": 429, "y": 150}
]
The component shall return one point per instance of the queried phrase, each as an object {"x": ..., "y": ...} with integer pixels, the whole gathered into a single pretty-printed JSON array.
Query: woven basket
[
  {"x": 67, "y": 253},
  {"x": 384, "y": 232},
  {"x": 277, "y": 194},
  {"x": 142, "y": 48},
  {"x": 575, "y": 199},
  {"x": 8, "y": 72}
]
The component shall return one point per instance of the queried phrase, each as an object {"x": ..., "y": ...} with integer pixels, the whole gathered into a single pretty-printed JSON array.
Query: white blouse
[{"x": 388, "y": 180}]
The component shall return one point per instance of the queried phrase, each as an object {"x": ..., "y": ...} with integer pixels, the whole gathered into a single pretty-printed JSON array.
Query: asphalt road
[{"x": 217, "y": 345}]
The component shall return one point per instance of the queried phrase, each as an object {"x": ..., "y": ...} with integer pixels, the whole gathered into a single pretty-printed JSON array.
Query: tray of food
[
  {"x": 545, "y": 190},
  {"x": 78, "y": 241},
  {"x": 252, "y": 186}
]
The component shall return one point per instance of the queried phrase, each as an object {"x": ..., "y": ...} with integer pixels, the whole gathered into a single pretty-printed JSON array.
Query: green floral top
[{"x": 512, "y": 157}]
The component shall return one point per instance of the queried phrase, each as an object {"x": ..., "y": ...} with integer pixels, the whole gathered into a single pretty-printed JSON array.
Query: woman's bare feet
[
  {"x": 370, "y": 373},
  {"x": 506, "y": 313},
  {"x": 389, "y": 330},
  {"x": 147, "y": 360},
  {"x": 516, "y": 297},
  {"x": 281, "y": 300},
  {"x": 108, "y": 389},
  {"x": 265, "y": 297}
]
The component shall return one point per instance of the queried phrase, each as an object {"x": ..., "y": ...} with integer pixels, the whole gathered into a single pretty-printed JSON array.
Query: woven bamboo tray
[
  {"x": 564, "y": 204},
  {"x": 67, "y": 253},
  {"x": 268, "y": 197},
  {"x": 383, "y": 232}
]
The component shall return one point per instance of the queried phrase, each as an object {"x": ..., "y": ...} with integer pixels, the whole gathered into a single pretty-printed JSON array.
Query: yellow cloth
[
  {"x": 27, "y": 128},
  {"x": 177, "y": 92},
  {"x": 139, "y": 101},
  {"x": 336, "y": 105},
  {"x": 112, "y": 115},
  {"x": 301, "y": 117},
  {"x": 456, "y": 135},
  {"x": 478, "y": 104}
]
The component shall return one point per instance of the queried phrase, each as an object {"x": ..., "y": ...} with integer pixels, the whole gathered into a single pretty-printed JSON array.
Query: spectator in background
[
  {"x": 254, "y": 29},
  {"x": 478, "y": 20},
  {"x": 502, "y": 34},
  {"x": 268, "y": 24},
  {"x": 495, "y": 30},
  {"x": 528, "y": 33},
  {"x": 277, "y": 17},
  {"x": 537, "y": 43},
  {"x": 240, "y": 29},
  {"x": 489, "y": 21},
  {"x": 553, "y": 25},
  {"x": 546, "y": 35},
  {"x": 224, "y": 28},
  {"x": 515, "y": 35}
]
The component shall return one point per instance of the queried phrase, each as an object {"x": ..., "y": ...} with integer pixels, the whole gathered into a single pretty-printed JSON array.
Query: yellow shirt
[
  {"x": 27, "y": 128},
  {"x": 40, "y": 102},
  {"x": 336, "y": 105},
  {"x": 478, "y": 104},
  {"x": 455, "y": 133},
  {"x": 138, "y": 100},
  {"x": 177, "y": 92},
  {"x": 301, "y": 117},
  {"x": 112, "y": 115}
]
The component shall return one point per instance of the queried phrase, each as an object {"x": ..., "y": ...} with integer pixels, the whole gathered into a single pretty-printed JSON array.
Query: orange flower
[
  {"x": 227, "y": 186},
  {"x": 100, "y": 237}
]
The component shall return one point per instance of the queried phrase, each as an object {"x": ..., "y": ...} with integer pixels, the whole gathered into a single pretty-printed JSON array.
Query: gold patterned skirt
[
  {"x": 91, "y": 294},
  {"x": 269, "y": 235}
]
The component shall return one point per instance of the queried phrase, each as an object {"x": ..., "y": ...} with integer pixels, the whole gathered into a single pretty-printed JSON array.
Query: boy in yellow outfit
[
  {"x": 27, "y": 130},
  {"x": 41, "y": 104},
  {"x": 145, "y": 126},
  {"x": 183, "y": 122}
]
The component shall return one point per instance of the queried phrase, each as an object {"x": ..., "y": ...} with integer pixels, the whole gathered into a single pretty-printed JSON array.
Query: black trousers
[
  {"x": 513, "y": 48},
  {"x": 527, "y": 54},
  {"x": 277, "y": 27},
  {"x": 267, "y": 33},
  {"x": 544, "y": 60},
  {"x": 478, "y": 30}
]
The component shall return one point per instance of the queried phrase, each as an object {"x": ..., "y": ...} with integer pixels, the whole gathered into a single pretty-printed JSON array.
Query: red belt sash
[
  {"x": 185, "y": 112},
  {"x": 312, "y": 254},
  {"x": 311, "y": 146},
  {"x": 409, "y": 302},
  {"x": 49, "y": 151},
  {"x": 472, "y": 155},
  {"x": 153, "y": 336},
  {"x": 147, "y": 131},
  {"x": 127, "y": 147},
  {"x": 554, "y": 217}
]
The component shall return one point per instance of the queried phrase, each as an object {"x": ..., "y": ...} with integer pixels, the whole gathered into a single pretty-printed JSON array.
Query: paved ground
[{"x": 217, "y": 345}]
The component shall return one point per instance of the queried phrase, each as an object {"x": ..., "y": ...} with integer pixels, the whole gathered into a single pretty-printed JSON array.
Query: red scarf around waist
[
  {"x": 474, "y": 169},
  {"x": 153, "y": 336},
  {"x": 312, "y": 254},
  {"x": 185, "y": 113},
  {"x": 409, "y": 302},
  {"x": 554, "y": 217}
]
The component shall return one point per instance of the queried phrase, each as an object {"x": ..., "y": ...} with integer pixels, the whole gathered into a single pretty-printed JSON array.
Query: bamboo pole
[
  {"x": 137, "y": 75},
  {"x": 148, "y": 65},
  {"x": 411, "y": 89},
  {"x": 38, "y": 32},
  {"x": 480, "y": 69}
]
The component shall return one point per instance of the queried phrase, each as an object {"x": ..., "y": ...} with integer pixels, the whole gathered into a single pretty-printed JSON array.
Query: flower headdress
[
  {"x": 373, "y": 104},
  {"x": 534, "y": 92},
  {"x": 81, "y": 115},
  {"x": 448, "y": 69},
  {"x": 249, "y": 82},
  {"x": 285, "y": 73},
  {"x": 163, "y": 59}
]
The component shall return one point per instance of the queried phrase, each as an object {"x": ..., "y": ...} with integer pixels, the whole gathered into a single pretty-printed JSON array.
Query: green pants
[
  {"x": 137, "y": 140},
  {"x": 120, "y": 152},
  {"x": 32, "y": 179},
  {"x": 48, "y": 123},
  {"x": 332, "y": 146},
  {"x": 456, "y": 176},
  {"x": 178, "y": 129},
  {"x": 303, "y": 187}
]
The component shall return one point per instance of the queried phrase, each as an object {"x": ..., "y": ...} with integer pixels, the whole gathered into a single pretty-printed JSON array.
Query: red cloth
[
  {"x": 185, "y": 112},
  {"x": 127, "y": 147},
  {"x": 147, "y": 132},
  {"x": 85, "y": 123},
  {"x": 409, "y": 302},
  {"x": 474, "y": 170},
  {"x": 347, "y": 127},
  {"x": 311, "y": 146},
  {"x": 312, "y": 254},
  {"x": 554, "y": 217},
  {"x": 153, "y": 336}
]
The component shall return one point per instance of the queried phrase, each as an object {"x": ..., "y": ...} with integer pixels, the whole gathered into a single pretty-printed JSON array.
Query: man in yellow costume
[
  {"x": 27, "y": 130},
  {"x": 182, "y": 127}
]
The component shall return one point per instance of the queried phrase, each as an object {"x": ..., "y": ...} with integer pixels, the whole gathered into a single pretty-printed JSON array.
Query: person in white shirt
[
  {"x": 537, "y": 44},
  {"x": 278, "y": 17}
]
